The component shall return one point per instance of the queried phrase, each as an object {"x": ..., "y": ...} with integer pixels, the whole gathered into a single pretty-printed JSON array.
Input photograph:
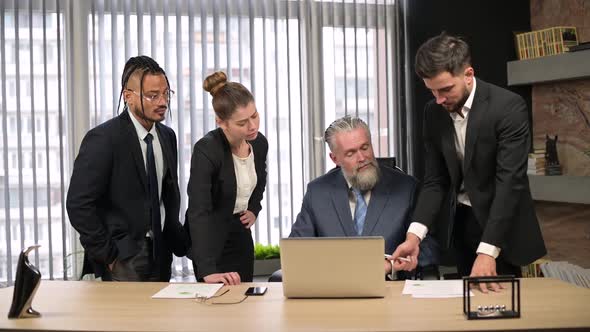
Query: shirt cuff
[
  {"x": 488, "y": 249},
  {"x": 391, "y": 275},
  {"x": 418, "y": 229}
]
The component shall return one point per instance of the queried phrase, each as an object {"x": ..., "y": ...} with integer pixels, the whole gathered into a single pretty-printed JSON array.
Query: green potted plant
[{"x": 267, "y": 259}]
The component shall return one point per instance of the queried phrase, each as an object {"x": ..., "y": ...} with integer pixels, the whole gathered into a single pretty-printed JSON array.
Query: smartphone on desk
[{"x": 254, "y": 291}]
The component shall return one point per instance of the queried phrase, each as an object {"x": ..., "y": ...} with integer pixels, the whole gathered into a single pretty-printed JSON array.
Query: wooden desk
[{"x": 91, "y": 306}]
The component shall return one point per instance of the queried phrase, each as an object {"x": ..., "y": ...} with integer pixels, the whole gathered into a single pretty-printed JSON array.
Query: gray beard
[{"x": 366, "y": 180}]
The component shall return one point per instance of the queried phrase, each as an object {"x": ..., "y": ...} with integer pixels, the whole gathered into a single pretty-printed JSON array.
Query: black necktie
[{"x": 153, "y": 196}]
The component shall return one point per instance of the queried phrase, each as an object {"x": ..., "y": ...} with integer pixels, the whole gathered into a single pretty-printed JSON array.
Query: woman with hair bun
[{"x": 227, "y": 181}]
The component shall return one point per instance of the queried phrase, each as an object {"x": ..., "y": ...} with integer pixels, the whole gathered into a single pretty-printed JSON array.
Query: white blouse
[{"x": 246, "y": 180}]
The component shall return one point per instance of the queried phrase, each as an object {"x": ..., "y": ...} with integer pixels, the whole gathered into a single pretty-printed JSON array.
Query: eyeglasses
[
  {"x": 155, "y": 97},
  {"x": 205, "y": 299}
]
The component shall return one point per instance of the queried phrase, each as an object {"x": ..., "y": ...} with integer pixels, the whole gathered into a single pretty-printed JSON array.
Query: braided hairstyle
[{"x": 145, "y": 65}]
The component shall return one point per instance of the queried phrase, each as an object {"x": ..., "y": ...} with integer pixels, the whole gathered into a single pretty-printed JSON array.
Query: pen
[{"x": 403, "y": 259}]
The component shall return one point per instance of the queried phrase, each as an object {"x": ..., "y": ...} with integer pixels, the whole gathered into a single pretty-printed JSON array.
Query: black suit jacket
[
  {"x": 212, "y": 195},
  {"x": 494, "y": 171},
  {"x": 108, "y": 200}
]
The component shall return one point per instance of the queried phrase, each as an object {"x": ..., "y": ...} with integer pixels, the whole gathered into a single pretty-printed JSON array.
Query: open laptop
[{"x": 333, "y": 267}]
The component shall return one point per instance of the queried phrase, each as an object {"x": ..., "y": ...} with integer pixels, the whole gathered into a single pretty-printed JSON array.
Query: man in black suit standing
[
  {"x": 476, "y": 138},
  {"x": 123, "y": 197}
]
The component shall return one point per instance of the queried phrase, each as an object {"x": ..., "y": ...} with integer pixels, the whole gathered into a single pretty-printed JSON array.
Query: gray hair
[{"x": 347, "y": 123}]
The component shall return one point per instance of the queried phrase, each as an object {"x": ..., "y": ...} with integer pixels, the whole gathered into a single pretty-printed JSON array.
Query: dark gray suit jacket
[
  {"x": 108, "y": 200},
  {"x": 325, "y": 211},
  {"x": 494, "y": 170}
]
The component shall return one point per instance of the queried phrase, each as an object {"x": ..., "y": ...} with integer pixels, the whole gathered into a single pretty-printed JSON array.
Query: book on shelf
[{"x": 545, "y": 42}]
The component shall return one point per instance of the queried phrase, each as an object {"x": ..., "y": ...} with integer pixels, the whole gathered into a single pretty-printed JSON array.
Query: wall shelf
[
  {"x": 565, "y": 66},
  {"x": 560, "y": 188}
]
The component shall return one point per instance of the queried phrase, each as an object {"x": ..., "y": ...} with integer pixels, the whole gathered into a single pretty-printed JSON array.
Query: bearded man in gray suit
[{"x": 360, "y": 197}]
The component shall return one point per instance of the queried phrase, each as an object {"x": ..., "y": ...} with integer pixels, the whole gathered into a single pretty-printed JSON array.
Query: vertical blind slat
[
  {"x": 216, "y": 35},
  {"x": 139, "y": 9},
  {"x": 289, "y": 111},
  {"x": 240, "y": 56},
  {"x": 265, "y": 87},
  {"x": 61, "y": 142},
  {"x": 127, "y": 28},
  {"x": 251, "y": 16},
  {"x": 19, "y": 123},
  {"x": 180, "y": 97},
  {"x": 204, "y": 60},
  {"x": 377, "y": 72},
  {"x": 114, "y": 54},
  {"x": 387, "y": 79},
  {"x": 94, "y": 73},
  {"x": 192, "y": 67},
  {"x": 47, "y": 155},
  {"x": 5, "y": 152},
  {"x": 33, "y": 134},
  {"x": 153, "y": 38},
  {"x": 301, "y": 109},
  {"x": 102, "y": 68},
  {"x": 356, "y": 61},
  {"x": 367, "y": 74},
  {"x": 228, "y": 39},
  {"x": 345, "y": 51},
  {"x": 278, "y": 118},
  {"x": 166, "y": 42},
  {"x": 180, "y": 90}
]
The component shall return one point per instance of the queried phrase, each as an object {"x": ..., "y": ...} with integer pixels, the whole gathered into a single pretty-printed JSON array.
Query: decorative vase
[{"x": 27, "y": 281}]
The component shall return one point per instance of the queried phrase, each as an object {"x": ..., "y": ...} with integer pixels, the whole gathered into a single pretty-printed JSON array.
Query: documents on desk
[
  {"x": 430, "y": 289},
  {"x": 187, "y": 291}
]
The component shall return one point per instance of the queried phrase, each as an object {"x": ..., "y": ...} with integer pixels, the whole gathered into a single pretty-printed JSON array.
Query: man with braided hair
[{"x": 124, "y": 198}]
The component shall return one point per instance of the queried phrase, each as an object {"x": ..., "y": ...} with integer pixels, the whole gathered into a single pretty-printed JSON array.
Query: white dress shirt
[
  {"x": 141, "y": 134},
  {"x": 460, "y": 124},
  {"x": 352, "y": 198},
  {"x": 246, "y": 180}
]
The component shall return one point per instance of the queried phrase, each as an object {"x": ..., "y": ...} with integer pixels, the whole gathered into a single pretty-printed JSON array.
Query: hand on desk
[
  {"x": 228, "y": 278},
  {"x": 485, "y": 266},
  {"x": 410, "y": 249}
]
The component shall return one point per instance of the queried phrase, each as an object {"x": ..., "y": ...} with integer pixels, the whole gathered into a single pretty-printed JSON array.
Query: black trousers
[
  {"x": 140, "y": 267},
  {"x": 238, "y": 251},
  {"x": 467, "y": 234}
]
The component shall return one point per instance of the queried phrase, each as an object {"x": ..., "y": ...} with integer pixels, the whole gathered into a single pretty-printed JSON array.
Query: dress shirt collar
[{"x": 141, "y": 131}]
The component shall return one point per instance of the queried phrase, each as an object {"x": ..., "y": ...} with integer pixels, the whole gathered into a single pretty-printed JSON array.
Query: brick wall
[{"x": 563, "y": 108}]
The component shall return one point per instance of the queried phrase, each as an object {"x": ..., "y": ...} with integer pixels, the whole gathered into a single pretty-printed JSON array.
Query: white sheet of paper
[
  {"x": 434, "y": 288},
  {"x": 187, "y": 291}
]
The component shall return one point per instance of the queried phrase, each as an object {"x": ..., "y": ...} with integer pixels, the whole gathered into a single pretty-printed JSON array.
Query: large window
[
  {"x": 35, "y": 166},
  {"x": 306, "y": 62}
]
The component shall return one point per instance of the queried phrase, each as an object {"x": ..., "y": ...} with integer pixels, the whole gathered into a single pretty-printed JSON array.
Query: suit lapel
[
  {"x": 476, "y": 115},
  {"x": 131, "y": 137},
  {"x": 341, "y": 204},
  {"x": 379, "y": 197},
  {"x": 448, "y": 145},
  {"x": 228, "y": 172}
]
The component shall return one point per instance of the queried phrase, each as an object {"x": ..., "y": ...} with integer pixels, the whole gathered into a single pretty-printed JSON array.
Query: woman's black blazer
[{"x": 212, "y": 196}]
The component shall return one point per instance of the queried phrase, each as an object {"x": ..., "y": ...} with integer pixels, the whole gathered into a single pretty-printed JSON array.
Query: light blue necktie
[{"x": 360, "y": 211}]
